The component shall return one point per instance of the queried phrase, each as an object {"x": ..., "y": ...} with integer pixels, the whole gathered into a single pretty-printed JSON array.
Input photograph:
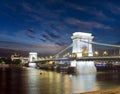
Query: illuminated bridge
[
  {"x": 92, "y": 58},
  {"x": 83, "y": 52}
]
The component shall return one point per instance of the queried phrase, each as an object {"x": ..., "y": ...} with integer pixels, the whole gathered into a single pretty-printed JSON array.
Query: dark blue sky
[{"x": 46, "y": 26}]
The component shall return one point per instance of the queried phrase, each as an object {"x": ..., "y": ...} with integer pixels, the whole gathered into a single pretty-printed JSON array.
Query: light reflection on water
[
  {"x": 83, "y": 83},
  {"x": 48, "y": 82},
  {"x": 33, "y": 81}
]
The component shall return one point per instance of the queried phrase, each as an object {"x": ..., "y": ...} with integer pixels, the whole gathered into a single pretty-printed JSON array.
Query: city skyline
[{"x": 46, "y": 26}]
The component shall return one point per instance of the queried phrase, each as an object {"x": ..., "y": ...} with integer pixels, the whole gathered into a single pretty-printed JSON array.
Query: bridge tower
[
  {"x": 82, "y": 48},
  {"x": 80, "y": 44},
  {"x": 32, "y": 56}
]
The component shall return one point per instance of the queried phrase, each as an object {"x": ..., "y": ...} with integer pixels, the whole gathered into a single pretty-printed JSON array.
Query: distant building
[{"x": 23, "y": 59}]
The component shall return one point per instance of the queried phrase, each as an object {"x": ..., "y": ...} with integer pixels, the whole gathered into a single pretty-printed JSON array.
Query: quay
[{"x": 106, "y": 91}]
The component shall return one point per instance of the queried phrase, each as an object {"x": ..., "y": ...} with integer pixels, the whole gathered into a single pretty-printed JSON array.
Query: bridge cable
[
  {"x": 104, "y": 44},
  {"x": 63, "y": 50}
]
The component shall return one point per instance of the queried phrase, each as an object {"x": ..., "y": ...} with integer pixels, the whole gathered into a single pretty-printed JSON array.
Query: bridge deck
[{"x": 83, "y": 58}]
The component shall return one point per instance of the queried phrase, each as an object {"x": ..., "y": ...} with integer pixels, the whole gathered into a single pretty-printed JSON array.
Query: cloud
[
  {"x": 11, "y": 7},
  {"x": 33, "y": 13},
  {"x": 114, "y": 8},
  {"x": 76, "y": 7},
  {"x": 48, "y": 49},
  {"x": 31, "y": 31},
  {"x": 62, "y": 25},
  {"x": 101, "y": 15},
  {"x": 19, "y": 36},
  {"x": 30, "y": 36},
  {"x": 40, "y": 10},
  {"x": 55, "y": 28},
  {"x": 33, "y": 17},
  {"x": 13, "y": 19},
  {"x": 46, "y": 37},
  {"x": 61, "y": 43},
  {"x": 91, "y": 10},
  {"x": 43, "y": 40},
  {"x": 52, "y": 34},
  {"x": 6, "y": 36},
  {"x": 27, "y": 7},
  {"x": 91, "y": 24},
  {"x": 56, "y": 25},
  {"x": 7, "y": 15}
]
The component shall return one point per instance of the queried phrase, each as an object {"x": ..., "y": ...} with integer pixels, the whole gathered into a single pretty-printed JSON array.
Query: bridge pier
[
  {"x": 82, "y": 48},
  {"x": 84, "y": 67}
]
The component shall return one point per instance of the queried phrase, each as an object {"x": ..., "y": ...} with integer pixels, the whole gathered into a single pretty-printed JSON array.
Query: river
[{"x": 33, "y": 81}]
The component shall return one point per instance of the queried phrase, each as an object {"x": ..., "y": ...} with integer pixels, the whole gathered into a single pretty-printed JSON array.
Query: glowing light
[
  {"x": 32, "y": 56},
  {"x": 32, "y": 64},
  {"x": 96, "y": 53},
  {"x": 73, "y": 64},
  {"x": 85, "y": 67},
  {"x": 105, "y": 53},
  {"x": 74, "y": 55}
]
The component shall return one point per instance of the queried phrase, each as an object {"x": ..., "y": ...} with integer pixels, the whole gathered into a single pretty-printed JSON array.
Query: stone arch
[
  {"x": 84, "y": 51},
  {"x": 32, "y": 56}
]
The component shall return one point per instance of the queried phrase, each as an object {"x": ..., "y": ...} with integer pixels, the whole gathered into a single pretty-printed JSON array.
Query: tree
[{"x": 17, "y": 61}]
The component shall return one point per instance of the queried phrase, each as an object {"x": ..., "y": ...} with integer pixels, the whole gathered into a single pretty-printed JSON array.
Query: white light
[
  {"x": 73, "y": 64},
  {"x": 84, "y": 67},
  {"x": 82, "y": 34},
  {"x": 32, "y": 64},
  {"x": 32, "y": 56}
]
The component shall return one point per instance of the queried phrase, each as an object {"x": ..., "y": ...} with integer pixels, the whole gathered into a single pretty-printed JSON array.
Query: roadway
[{"x": 113, "y": 58}]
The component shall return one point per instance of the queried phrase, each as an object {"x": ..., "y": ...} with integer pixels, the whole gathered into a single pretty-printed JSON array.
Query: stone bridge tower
[
  {"x": 32, "y": 56},
  {"x": 82, "y": 48},
  {"x": 81, "y": 45}
]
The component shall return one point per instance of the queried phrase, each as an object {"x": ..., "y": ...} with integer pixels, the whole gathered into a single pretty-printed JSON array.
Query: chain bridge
[{"x": 84, "y": 53}]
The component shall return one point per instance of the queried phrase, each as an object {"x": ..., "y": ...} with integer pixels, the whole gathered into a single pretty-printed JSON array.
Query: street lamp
[
  {"x": 96, "y": 53},
  {"x": 105, "y": 53},
  {"x": 74, "y": 55}
]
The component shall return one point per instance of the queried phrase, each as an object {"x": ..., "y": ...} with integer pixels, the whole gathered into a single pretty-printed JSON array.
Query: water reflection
[
  {"x": 33, "y": 81},
  {"x": 108, "y": 80},
  {"x": 83, "y": 83},
  {"x": 43, "y": 82}
]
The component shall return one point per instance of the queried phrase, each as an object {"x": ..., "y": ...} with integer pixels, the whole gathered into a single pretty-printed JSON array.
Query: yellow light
[
  {"x": 105, "y": 53},
  {"x": 74, "y": 55},
  {"x": 96, "y": 53}
]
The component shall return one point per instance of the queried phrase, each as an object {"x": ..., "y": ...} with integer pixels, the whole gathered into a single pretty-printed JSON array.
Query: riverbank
[
  {"x": 15, "y": 65},
  {"x": 3, "y": 66},
  {"x": 107, "y": 91}
]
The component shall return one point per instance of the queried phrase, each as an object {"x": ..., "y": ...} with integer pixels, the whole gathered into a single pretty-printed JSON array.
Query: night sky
[{"x": 45, "y": 26}]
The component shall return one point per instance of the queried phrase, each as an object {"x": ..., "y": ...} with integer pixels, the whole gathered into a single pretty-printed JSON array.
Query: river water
[{"x": 33, "y": 81}]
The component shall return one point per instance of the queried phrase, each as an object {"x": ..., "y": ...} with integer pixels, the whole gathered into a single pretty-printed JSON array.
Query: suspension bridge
[{"x": 83, "y": 52}]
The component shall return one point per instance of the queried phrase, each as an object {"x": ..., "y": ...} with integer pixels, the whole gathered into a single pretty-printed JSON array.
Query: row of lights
[{"x": 96, "y": 53}]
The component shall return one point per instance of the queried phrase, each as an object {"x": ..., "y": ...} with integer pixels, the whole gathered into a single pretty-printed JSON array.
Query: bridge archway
[
  {"x": 32, "y": 56},
  {"x": 85, "y": 51}
]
